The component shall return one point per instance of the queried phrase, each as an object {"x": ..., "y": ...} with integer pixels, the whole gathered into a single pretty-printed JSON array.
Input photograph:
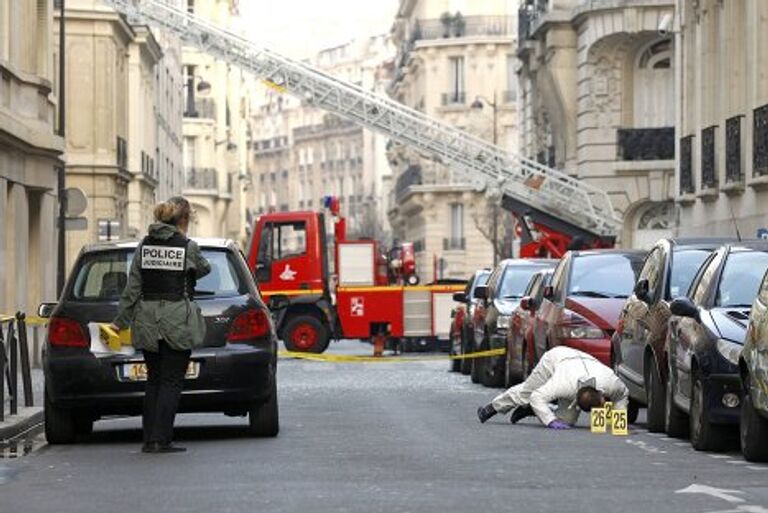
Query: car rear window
[
  {"x": 102, "y": 276},
  {"x": 685, "y": 265},
  {"x": 607, "y": 275},
  {"x": 741, "y": 279},
  {"x": 515, "y": 281}
]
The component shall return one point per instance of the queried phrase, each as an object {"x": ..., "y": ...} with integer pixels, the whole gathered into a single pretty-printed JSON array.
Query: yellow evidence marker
[
  {"x": 608, "y": 414},
  {"x": 619, "y": 423},
  {"x": 113, "y": 339},
  {"x": 597, "y": 420}
]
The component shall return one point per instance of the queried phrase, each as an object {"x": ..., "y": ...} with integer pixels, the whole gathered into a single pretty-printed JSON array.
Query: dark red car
[{"x": 581, "y": 306}]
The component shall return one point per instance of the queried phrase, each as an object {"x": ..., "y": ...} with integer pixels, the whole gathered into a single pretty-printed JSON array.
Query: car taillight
[
  {"x": 63, "y": 332},
  {"x": 249, "y": 325}
]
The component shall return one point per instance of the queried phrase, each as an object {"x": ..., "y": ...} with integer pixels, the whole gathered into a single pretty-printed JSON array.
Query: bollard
[
  {"x": 13, "y": 379},
  {"x": 26, "y": 371}
]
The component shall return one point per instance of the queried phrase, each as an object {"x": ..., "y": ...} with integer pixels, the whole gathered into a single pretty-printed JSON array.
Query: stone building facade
[
  {"x": 301, "y": 154},
  {"x": 215, "y": 130},
  {"x": 30, "y": 154},
  {"x": 123, "y": 121},
  {"x": 598, "y": 101},
  {"x": 722, "y": 174},
  {"x": 456, "y": 62}
]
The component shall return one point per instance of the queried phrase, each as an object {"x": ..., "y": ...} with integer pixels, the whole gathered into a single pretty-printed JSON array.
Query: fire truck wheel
[
  {"x": 305, "y": 334},
  {"x": 412, "y": 280}
]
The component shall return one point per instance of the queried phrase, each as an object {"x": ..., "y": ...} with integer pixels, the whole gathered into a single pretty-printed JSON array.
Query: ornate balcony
[
  {"x": 687, "y": 185},
  {"x": 452, "y": 26},
  {"x": 646, "y": 143},
  {"x": 202, "y": 178},
  {"x": 454, "y": 98},
  {"x": 203, "y": 108},
  {"x": 410, "y": 177}
]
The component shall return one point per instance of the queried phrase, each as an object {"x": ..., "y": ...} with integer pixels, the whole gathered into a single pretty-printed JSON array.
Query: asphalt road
[{"x": 378, "y": 437}]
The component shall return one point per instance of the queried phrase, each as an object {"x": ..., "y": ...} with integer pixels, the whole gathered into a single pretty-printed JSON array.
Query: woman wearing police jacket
[{"x": 166, "y": 324}]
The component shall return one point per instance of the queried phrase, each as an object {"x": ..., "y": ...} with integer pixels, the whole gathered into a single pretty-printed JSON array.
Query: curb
[{"x": 14, "y": 425}]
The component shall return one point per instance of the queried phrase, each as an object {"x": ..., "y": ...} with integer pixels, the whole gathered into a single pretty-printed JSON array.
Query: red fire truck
[{"x": 338, "y": 288}]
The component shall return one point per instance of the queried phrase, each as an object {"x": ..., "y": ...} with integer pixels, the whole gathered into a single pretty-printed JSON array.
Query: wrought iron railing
[
  {"x": 708, "y": 158},
  {"x": 202, "y": 178},
  {"x": 462, "y": 26},
  {"x": 646, "y": 143},
  {"x": 454, "y": 98},
  {"x": 687, "y": 185},
  {"x": 733, "y": 169},
  {"x": 204, "y": 108},
  {"x": 760, "y": 144},
  {"x": 454, "y": 243},
  {"x": 410, "y": 177}
]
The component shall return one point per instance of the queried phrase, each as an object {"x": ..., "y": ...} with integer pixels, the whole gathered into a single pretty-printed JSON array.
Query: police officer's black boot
[
  {"x": 520, "y": 413},
  {"x": 486, "y": 412}
]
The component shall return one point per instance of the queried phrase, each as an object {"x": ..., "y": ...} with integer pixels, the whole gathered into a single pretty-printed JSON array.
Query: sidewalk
[{"x": 27, "y": 417}]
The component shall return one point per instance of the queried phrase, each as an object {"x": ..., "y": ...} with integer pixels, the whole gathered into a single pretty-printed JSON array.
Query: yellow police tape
[{"x": 348, "y": 358}]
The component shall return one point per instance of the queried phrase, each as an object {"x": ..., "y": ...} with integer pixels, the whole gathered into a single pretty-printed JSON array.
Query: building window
[
  {"x": 189, "y": 152},
  {"x": 510, "y": 95},
  {"x": 189, "y": 79},
  {"x": 686, "y": 166},
  {"x": 708, "y": 160},
  {"x": 760, "y": 134},
  {"x": 456, "y": 240},
  {"x": 191, "y": 6},
  {"x": 456, "y": 86},
  {"x": 654, "y": 86},
  {"x": 733, "y": 171}
]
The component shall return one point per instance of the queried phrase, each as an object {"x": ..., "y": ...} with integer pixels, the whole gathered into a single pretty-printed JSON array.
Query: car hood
[
  {"x": 602, "y": 312},
  {"x": 731, "y": 323},
  {"x": 506, "y": 306}
]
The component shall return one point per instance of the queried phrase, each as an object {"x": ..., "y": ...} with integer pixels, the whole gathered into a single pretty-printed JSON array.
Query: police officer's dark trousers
[{"x": 165, "y": 379}]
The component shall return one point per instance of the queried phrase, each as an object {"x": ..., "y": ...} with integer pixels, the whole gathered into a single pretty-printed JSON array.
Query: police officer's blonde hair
[{"x": 173, "y": 211}]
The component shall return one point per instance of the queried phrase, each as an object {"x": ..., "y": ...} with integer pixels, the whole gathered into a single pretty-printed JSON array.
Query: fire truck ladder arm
[{"x": 480, "y": 163}]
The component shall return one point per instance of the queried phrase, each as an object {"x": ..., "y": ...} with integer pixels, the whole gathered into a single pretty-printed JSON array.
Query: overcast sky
[{"x": 299, "y": 28}]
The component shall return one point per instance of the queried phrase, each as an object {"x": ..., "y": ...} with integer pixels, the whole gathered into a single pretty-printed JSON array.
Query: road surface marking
[{"x": 721, "y": 493}]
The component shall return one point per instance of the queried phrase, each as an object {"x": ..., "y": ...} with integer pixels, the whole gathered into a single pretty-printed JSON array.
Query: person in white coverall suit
[{"x": 575, "y": 380}]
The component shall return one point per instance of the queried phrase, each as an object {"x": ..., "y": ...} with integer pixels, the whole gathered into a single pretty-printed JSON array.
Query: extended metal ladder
[{"x": 482, "y": 164}]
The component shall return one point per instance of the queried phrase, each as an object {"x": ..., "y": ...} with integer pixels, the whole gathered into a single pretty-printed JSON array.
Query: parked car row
[{"x": 684, "y": 325}]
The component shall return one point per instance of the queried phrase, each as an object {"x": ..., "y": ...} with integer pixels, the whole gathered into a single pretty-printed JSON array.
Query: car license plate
[{"x": 138, "y": 371}]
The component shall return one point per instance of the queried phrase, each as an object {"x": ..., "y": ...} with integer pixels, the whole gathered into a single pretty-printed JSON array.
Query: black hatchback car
[
  {"x": 234, "y": 373},
  {"x": 638, "y": 353},
  {"x": 704, "y": 341}
]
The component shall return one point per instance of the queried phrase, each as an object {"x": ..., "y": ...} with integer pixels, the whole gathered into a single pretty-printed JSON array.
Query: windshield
[
  {"x": 685, "y": 265},
  {"x": 515, "y": 281},
  {"x": 604, "y": 276},
  {"x": 741, "y": 279},
  {"x": 102, "y": 276}
]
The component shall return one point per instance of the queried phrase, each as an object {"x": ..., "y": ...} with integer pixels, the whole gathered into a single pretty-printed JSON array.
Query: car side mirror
[
  {"x": 684, "y": 307},
  {"x": 460, "y": 297},
  {"x": 549, "y": 292},
  {"x": 45, "y": 310},
  {"x": 278, "y": 302},
  {"x": 528, "y": 304},
  {"x": 481, "y": 292},
  {"x": 641, "y": 290}
]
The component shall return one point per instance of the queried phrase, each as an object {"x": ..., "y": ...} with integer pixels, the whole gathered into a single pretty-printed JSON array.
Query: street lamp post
[{"x": 478, "y": 104}]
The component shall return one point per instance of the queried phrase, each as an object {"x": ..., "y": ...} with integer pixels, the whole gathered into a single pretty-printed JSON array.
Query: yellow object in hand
[{"x": 113, "y": 339}]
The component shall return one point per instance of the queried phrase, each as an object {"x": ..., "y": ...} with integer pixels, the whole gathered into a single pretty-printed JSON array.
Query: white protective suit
[{"x": 557, "y": 378}]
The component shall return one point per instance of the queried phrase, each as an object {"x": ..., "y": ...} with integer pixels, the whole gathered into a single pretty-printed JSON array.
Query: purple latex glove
[{"x": 558, "y": 424}]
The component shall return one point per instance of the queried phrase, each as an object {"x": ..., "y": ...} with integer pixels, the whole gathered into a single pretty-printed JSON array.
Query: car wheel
[
  {"x": 455, "y": 364},
  {"x": 412, "y": 280},
  {"x": 305, "y": 334},
  {"x": 59, "y": 423},
  {"x": 478, "y": 367},
  {"x": 263, "y": 417},
  {"x": 705, "y": 436},
  {"x": 753, "y": 431},
  {"x": 655, "y": 397},
  {"x": 676, "y": 422},
  {"x": 465, "y": 363},
  {"x": 83, "y": 425},
  {"x": 493, "y": 375},
  {"x": 633, "y": 411}
]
